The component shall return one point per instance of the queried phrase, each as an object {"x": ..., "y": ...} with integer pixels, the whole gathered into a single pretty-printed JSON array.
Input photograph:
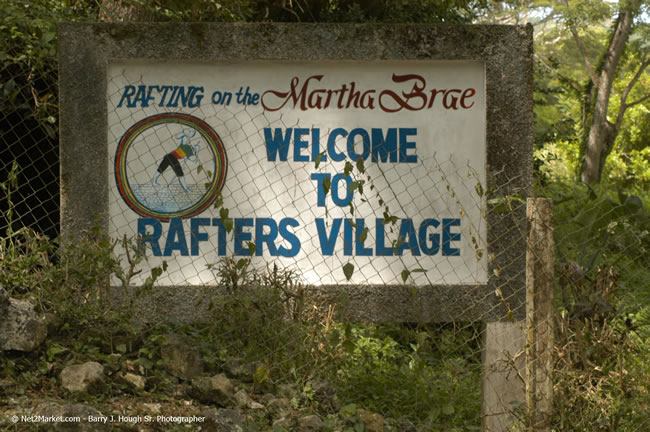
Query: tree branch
[
  {"x": 644, "y": 64},
  {"x": 624, "y": 105},
  {"x": 576, "y": 86},
  {"x": 583, "y": 51},
  {"x": 585, "y": 57},
  {"x": 638, "y": 101}
]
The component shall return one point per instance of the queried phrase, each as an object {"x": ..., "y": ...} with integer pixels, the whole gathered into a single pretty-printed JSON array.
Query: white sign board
[{"x": 260, "y": 159}]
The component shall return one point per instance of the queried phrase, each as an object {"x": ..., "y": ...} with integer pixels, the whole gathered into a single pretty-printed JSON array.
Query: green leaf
[
  {"x": 225, "y": 220},
  {"x": 327, "y": 184},
  {"x": 145, "y": 363},
  {"x": 156, "y": 272},
  {"x": 319, "y": 158},
  {"x": 360, "y": 166},
  {"x": 405, "y": 275},
  {"x": 251, "y": 248},
  {"x": 348, "y": 168},
  {"x": 479, "y": 189},
  {"x": 434, "y": 414},
  {"x": 261, "y": 374},
  {"x": 448, "y": 409},
  {"x": 55, "y": 349},
  {"x": 349, "y": 410},
  {"x": 357, "y": 185},
  {"x": 348, "y": 269},
  {"x": 47, "y": 36},
  {"x": 390, "y": 220},
  {"x": 242, "y": 263},
  {"x": 364, "y": 235},
  {"x": 218, "y": 201},
  {"x": 121, "y": 348}
]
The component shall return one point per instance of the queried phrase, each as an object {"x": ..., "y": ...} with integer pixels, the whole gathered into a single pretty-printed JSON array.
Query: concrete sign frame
[{"x": 87, "y": 50}]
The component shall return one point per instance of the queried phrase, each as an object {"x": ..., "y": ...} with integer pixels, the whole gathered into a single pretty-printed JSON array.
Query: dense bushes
[{"x": 602, "y": 355}]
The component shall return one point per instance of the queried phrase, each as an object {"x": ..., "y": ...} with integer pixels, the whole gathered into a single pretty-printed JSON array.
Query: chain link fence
[
  {"x": 28, "y": 137},
  {"x": 420, "y": 372}
]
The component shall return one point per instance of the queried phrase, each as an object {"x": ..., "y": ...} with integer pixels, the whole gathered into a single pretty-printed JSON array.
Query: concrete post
[
  {"x": 503, "y": 384},
  {"x": 539, "y": 314}
]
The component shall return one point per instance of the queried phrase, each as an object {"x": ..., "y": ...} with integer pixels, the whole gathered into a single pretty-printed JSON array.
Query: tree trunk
[
  {"x": 116, "y": 11},
  {"x": 601, "y": 133}
]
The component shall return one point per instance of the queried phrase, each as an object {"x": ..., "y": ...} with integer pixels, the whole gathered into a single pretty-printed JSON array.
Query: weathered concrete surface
[
  {"x": 21, "y": 329},
  {"x": 503, "y": 372}
]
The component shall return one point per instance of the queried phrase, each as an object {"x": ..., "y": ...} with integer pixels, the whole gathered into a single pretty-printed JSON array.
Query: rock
[
  {"x": 84, "y": 412},
  {"x": 20, "y": 328},
  {"x": 373, "y": 422},
  {"x": 87, "y": 377},
  {"x": 52, "y": 322},
  {"x": 279, "y": 405},
  {"x": 288, "y": 391},
  {"x": 222, "y": 420},
  {"x": 245, "y": 401},
  {"x": 310, "y": 423},
  {"x": 325, "y": 395},
  {"x": 6, "y": 385},
  {"x": 180, "y": 358},
  {"x": 242, "y": 370},
  {"x": 112, "y": 363},
  {"x": 284, "y": 422},
  {"x": 217, "y": 389},
  {"x": 4, "y": 298},
  {"x": 132, "y": 380},
  {"x": 152, "y": 408}
]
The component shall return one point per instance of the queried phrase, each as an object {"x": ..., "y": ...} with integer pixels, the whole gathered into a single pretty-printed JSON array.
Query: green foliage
[
  {"x": 600, "y": 227},
  {"x": 603, "y": 355},
  {"x": 263, "y": 311},
  {"x": 558, "y": 162},
  {"x": 70, "y": 282},
  {"x": 28, "y": 46},
  {"x": 401, "y": 11},
  {"x": 430, "y": 379},
  {"x": 602, "y": 352},
  {"x": 565, "y": 92},
  {"x": 602, "y": 358},
  {"x": 179, "y": 10}
]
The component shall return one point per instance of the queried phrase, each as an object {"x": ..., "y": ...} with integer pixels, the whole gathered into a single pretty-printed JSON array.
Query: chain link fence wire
[
  {"x": 426, "y": 373},
  {"x": 429, "y": 369},
  {"x": 28, "y": 137}
]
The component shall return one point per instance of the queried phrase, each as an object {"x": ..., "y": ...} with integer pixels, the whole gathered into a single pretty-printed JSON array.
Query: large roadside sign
[{"x": 366, "y": 158}]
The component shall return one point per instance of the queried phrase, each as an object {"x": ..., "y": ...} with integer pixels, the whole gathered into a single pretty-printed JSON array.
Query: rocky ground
[{"x": 120, "y": 394}]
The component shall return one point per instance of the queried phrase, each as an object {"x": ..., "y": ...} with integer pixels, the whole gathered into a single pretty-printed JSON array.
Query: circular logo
[{"x": 170, "y": 165}]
